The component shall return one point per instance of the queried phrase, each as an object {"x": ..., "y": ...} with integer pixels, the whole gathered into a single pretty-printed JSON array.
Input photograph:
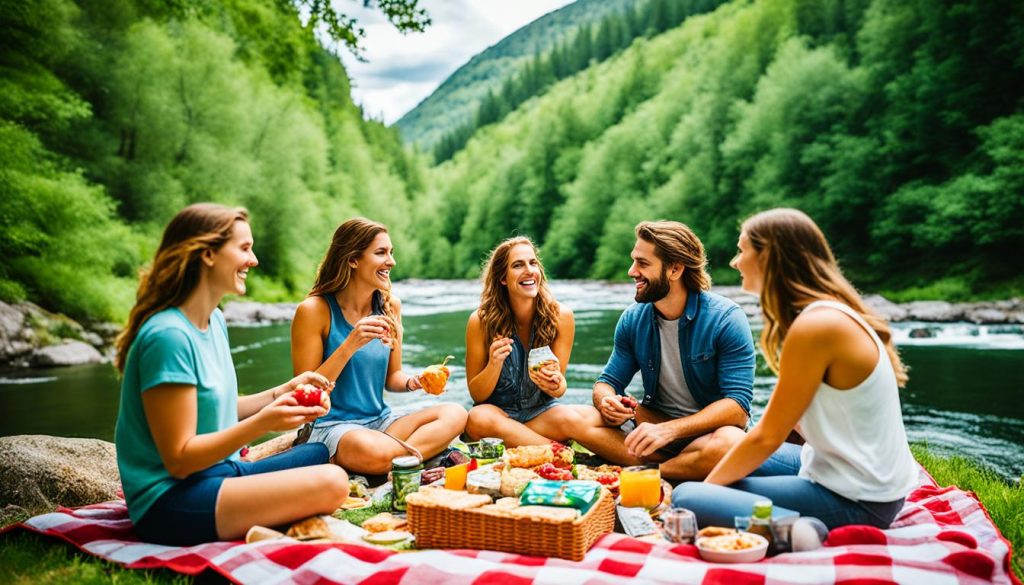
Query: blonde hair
[
  {"x": 675, "y": 243},
  {"x": 350, "y": 240},
  {"x": 175, "y": 271},
  {"x": 495, "y": 310},
  {"x": 799, "y": 268}
]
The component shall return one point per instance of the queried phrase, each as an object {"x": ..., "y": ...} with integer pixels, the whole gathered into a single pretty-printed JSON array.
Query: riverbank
[
  {"x": 27, "y": 558},
  {"x": 32, "y": 337}
]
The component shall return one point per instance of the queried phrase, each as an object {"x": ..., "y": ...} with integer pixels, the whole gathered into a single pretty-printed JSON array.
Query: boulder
[
  {"x": 248, "y": 313},
  {"x": 933, "y": 311},
  {"x": 68, "y": 353},
  {"x": 40, "y": 472},
  {"x": 885, "y": 308},
  {"x": 12, "y": 322}
]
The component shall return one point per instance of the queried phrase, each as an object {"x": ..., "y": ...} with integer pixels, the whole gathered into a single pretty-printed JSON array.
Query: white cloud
[{"x": 403, "y": 70}]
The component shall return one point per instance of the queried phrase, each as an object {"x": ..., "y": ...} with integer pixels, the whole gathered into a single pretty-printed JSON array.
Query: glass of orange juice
[
  {"x": 455, "y": 476},
  {"x": 640, "y": 487}
]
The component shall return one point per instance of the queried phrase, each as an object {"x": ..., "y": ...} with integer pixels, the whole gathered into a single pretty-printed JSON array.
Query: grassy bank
[
  {"x": 1004, "y": 502},
  {"x": 27, "y": 558}
]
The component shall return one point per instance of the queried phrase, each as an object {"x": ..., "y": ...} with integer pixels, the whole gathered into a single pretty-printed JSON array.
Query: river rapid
[{"x": 962, "y": 398}]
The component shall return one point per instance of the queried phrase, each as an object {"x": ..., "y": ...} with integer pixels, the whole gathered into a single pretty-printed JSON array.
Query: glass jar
[
  {"x": 679, "y": 525},
  {"x": 405, "y": 479},
  {"x": 761, "y": 521},
  {"x": 491, "y": 449}
]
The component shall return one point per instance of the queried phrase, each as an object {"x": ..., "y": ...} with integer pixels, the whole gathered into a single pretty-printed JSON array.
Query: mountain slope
[
  {"x": 455, "y": 101},
  {"x": 899, "y": 128}
]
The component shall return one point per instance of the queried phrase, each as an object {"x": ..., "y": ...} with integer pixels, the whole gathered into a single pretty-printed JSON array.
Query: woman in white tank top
[{"x": 839, "y": 379}]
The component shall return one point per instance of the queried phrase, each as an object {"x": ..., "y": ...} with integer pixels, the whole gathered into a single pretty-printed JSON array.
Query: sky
[{"x": 403, "y": 70}]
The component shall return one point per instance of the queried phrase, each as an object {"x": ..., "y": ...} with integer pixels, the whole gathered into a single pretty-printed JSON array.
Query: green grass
[
  {"x": 1004, "y": 501},
  {"x": 29, "y": 558}
]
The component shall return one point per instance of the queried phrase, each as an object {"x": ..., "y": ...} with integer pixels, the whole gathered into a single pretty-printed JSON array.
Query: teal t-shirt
[{"x": 169, "y": 349}]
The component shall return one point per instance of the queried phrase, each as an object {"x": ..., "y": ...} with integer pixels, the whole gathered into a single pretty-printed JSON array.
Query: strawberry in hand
[{"x": 308, "y": 395}]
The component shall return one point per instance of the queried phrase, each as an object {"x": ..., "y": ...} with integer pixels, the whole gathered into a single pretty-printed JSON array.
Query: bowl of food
[{"x": 727, "y": 545}]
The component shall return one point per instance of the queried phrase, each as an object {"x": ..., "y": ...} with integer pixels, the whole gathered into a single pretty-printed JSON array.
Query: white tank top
[{"x": 856, "y": 445}]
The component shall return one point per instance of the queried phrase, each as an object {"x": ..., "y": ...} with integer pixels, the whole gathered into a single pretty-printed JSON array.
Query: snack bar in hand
[
  {"x": 435, "y": 377},
  {"x": 541, "y": 357}
]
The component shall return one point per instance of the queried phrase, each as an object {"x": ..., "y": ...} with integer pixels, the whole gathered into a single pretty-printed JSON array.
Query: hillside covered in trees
[
  {"x": 113, "y": 116},
  {"x": 592, "y": 42},
  {"x": 455, "y": 102},
  {"x": 899, "y": 126}
]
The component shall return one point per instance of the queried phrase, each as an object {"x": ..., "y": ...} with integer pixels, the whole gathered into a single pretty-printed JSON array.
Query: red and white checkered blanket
[{"x": 942, "y": 536}]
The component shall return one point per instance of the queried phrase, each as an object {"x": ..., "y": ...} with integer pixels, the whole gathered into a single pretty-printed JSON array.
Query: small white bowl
[{"x": 747, "y": 555}]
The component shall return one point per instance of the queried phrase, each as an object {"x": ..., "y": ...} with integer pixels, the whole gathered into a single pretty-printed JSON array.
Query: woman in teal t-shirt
[
  {"x": 349, "y": 329},
  {"x": 181, "y": 422}
]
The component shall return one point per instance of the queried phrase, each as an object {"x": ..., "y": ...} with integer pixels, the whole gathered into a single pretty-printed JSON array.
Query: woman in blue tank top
[
  {"x": 514, "y": 402},
  {"x": 349, "y": 329}
]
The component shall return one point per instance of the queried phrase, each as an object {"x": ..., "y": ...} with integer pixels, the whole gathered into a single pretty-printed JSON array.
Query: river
[{"x": 963, "y": 396}]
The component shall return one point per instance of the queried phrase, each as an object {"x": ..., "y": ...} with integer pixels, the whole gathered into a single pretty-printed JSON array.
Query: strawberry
[
  {"x": 629, "y": 402},
  {"x": 308, "y": 395}
]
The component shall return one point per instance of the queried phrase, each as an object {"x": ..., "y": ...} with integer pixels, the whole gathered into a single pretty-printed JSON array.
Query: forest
[{"x": 898, "y": 126}]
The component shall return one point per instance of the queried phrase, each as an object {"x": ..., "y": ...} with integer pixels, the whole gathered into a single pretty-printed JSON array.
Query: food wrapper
[
  {"x": 569, "y": 494},
  {"x": 540, "y": 357}
]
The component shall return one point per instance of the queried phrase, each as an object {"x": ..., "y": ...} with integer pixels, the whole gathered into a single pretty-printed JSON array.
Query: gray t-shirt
[{"x": 674, "y": 397}]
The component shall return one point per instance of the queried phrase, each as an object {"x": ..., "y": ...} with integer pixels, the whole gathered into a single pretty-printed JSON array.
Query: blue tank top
[
  {"x": 514, "y": 389},
  {"x": 359, "y": 391}
]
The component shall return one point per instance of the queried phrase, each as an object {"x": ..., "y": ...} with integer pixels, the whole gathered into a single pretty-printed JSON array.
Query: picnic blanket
[{"x": 942, "y": 536}]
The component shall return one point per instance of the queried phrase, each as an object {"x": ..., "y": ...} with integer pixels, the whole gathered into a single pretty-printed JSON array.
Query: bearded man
[{"x": 694, "y": 352}]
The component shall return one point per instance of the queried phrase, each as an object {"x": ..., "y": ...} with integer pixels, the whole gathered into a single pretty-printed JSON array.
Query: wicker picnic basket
[{"x": 441, "y": 527}]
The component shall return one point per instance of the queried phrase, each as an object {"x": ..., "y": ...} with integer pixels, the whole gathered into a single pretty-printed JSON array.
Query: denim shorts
[
  {"x": 187, "y": 513},
  {"x": 330, "y": 432},
  {"x": 525, "y": 415}
]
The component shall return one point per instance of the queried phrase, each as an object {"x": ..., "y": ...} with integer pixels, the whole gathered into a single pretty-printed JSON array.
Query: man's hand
[
  {"x": 647, "y": 438},
  {"x": 613, "y": 411}
]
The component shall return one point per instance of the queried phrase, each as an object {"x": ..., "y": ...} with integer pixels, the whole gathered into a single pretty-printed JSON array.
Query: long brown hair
[
  {"x": 799, "y": 268},
  {"x": 675, "y": 243},
  {"x": 495, "y": 310},
  {"x": 176, "y": 267},
  {"x": 350, "y": 240}
]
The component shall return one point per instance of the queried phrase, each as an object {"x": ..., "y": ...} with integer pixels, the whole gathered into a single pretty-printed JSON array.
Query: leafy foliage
[
  {"x": 112, "y": 118},
  {"x": 456, "y": 101},
  {"x": 614, "y": 32},
  {"x": 898, "y": 126}
]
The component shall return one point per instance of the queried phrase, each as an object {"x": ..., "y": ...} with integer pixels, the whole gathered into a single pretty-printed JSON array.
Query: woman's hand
[
  {"x": 413, "y": 383},
  {"x": 499, "y": 351},
  {"x": 313, "y": 378},
  {"x": 369, "y": 328},
  {"x": 548, "y": 379},
  {"x": 285, "y": 413}
]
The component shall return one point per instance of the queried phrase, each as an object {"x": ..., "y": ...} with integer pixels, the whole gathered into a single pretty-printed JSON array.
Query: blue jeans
[
  {"x": 187, "y": 513},
  {"x": 776, "y": 480}
]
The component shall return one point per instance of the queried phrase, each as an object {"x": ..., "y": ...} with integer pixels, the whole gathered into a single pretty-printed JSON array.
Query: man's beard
[{"x": 654, "y": 290}]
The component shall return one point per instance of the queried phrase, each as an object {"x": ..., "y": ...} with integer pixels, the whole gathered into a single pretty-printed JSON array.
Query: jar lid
[{"x": 405, "y": 462}]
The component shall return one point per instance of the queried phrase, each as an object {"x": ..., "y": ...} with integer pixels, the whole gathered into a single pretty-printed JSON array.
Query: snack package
[
  {"x": 540, "y": 357},
  {"x": 569, "y": 494}
]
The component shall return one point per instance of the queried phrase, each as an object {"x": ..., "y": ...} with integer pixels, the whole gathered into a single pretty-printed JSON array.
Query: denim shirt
[
  {"x": 715, "y": 347},
  {"x": 515, "y": 390}
]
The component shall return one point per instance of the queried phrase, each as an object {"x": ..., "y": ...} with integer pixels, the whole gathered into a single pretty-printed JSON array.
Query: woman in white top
[{"x": 839, "y": 379}]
